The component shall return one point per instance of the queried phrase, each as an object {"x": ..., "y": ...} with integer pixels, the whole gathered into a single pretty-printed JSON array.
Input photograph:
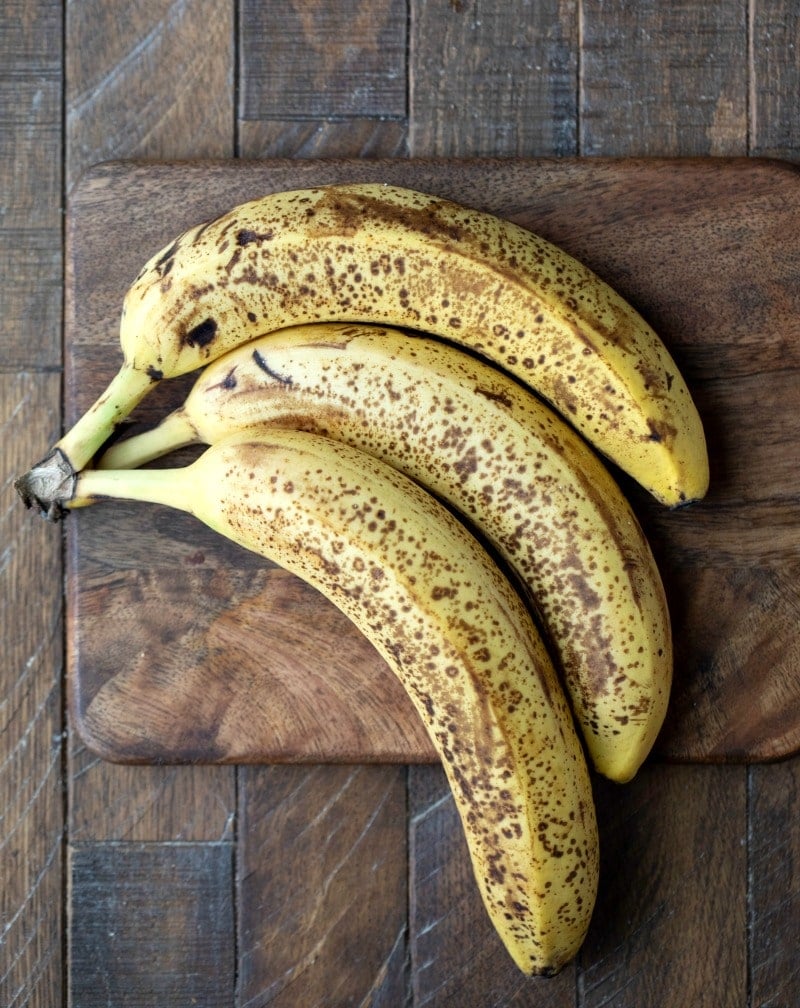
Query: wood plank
[
  {"x": 454, "y": 947},
  {"x": 322, "y": 877},
  {"x": 30, "y": 180},
  {"x": 735, "y": 552},
  {"x": 31, "y": 741},
  {"x": 151, "y": 924},
  {"x": 135, "y": 77},
  {"x": 774, "y": 34},
  {"x": 493, "y": 79},
  {"x": 31, "y": 629},
  {"x": 663, "y": 79},
  {"x": 148, "y": 803},
  {"x": 774, "y": 891},
  {"x": 312, "y": 60},
  {"x": 673, "y": 868}
]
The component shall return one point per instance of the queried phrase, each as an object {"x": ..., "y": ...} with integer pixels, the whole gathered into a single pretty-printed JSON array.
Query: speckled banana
[
  {"x": 506, "y": 462},
  {"x": 450, "y": 625},
  {"x": 378, "y": 253}
]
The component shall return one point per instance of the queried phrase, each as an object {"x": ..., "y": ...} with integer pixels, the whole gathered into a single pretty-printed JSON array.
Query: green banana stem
[
  {"x": 50, "y": 484},
  {"x": 172, "y": 487},
  {"x": 174, "y": 432},
  {"x": 124, "y": 392}
]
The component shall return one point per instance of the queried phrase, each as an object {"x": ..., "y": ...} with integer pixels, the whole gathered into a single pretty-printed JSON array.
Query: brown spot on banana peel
[
  {"x": 248, "y": 237},
  {"x": 166, "y": 260},
  {"x": 201, "y": 335},
  {"x": 349, "y": 211},
  {"x": 263, "y": 366},
  {"x": 228, "y": 383},
  {"x": 661, "y": 431}
]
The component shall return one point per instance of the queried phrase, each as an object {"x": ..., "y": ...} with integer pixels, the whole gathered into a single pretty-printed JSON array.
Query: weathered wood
[
  {"x": 31, "y": 743},
  {"x": 31, "y": 630},
  {"x": 493, "y": 79},
  {"x": 322, "y": 884},
  {"x": 306, "y": 138},
  {"x": 149, "y": 80},
  {"x": 30, "y": 183},
  {"x": 774, "y": 37},
  {"x": 774, "y": 882},
  {"x": 316, "y": 59},
  {"x": 454, "y": 947},
  {"x": 148, "y": 803},
  {"x": 672, "y": 868},
  {"x": 733, "y": 554},
  {"x": 151, "y": 924},
  {"x": 663, "y": 79}
]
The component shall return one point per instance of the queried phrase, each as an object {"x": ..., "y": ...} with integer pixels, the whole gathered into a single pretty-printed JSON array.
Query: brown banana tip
[{"x": 48, "y": 486}]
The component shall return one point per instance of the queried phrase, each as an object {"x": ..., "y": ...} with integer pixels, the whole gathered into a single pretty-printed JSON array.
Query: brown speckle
[{"x": 202, "y": 334}]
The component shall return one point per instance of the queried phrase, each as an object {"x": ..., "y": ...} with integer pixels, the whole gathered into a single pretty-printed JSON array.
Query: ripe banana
[
  {"x": 378, "y": 253},
  {"x": 481, "y": 442},
  {"x": 450, "y": 625}
]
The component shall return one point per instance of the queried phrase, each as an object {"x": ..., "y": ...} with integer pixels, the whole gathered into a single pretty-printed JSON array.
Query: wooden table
[{"x": 348, "y": 885}]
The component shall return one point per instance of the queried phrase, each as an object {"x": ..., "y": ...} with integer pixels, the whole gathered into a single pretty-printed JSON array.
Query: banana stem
[
  {"x": 175, "y": 431},
  {"x": 171, "y": 487},
  {"x": 125, "y": 391},
  {"x": 50, "y": 484}
]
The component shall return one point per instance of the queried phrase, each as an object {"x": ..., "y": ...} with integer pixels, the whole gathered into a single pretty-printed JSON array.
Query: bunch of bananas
[{"x": 417, "y": 478}]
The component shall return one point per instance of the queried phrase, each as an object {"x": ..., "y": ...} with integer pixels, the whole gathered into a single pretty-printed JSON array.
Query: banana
[
  {"x": 450, "y": 625},
  {"x": 378, "y": 253},
  {"x": 495, "y": 453}
]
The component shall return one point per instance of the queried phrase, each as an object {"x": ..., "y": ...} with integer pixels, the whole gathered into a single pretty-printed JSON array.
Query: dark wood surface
[
  {"x": 183, "y": 647},
  {"x": 349, "y": 885}
]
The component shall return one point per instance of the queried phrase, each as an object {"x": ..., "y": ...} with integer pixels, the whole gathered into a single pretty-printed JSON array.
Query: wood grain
[
  {"x": 736, "y": 212},
  {"x": 315, "y": 59},
  {"x": 323, "y": 868},
  {"x": 493, "y": 79},
  {"x": 31, "y": 630},
  {"x": 774, "y": 72},
  {"x": 774, "y": 872},
  {"x": 663, "y": 79},
  {"x": 309, "y": 138},
  {"x": 671, "y": 869},
  {"x": 132, "y": 85},
  {"x": 30, "y": 181},
  {"x": 148, "y": 80},
  {"x": 31, "y": 741},
  {"x": 151, "y": 924}
]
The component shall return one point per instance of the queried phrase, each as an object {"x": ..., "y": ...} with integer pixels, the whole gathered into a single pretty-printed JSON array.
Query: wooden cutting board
[{"x": 183, "y": 647}]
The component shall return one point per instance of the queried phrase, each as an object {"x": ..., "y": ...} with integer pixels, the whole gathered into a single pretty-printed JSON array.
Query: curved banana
[
  {"x": 378, "y": 253},
  {"x": 449, "y": 624},
  {"x": 481, "y": 442}
]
